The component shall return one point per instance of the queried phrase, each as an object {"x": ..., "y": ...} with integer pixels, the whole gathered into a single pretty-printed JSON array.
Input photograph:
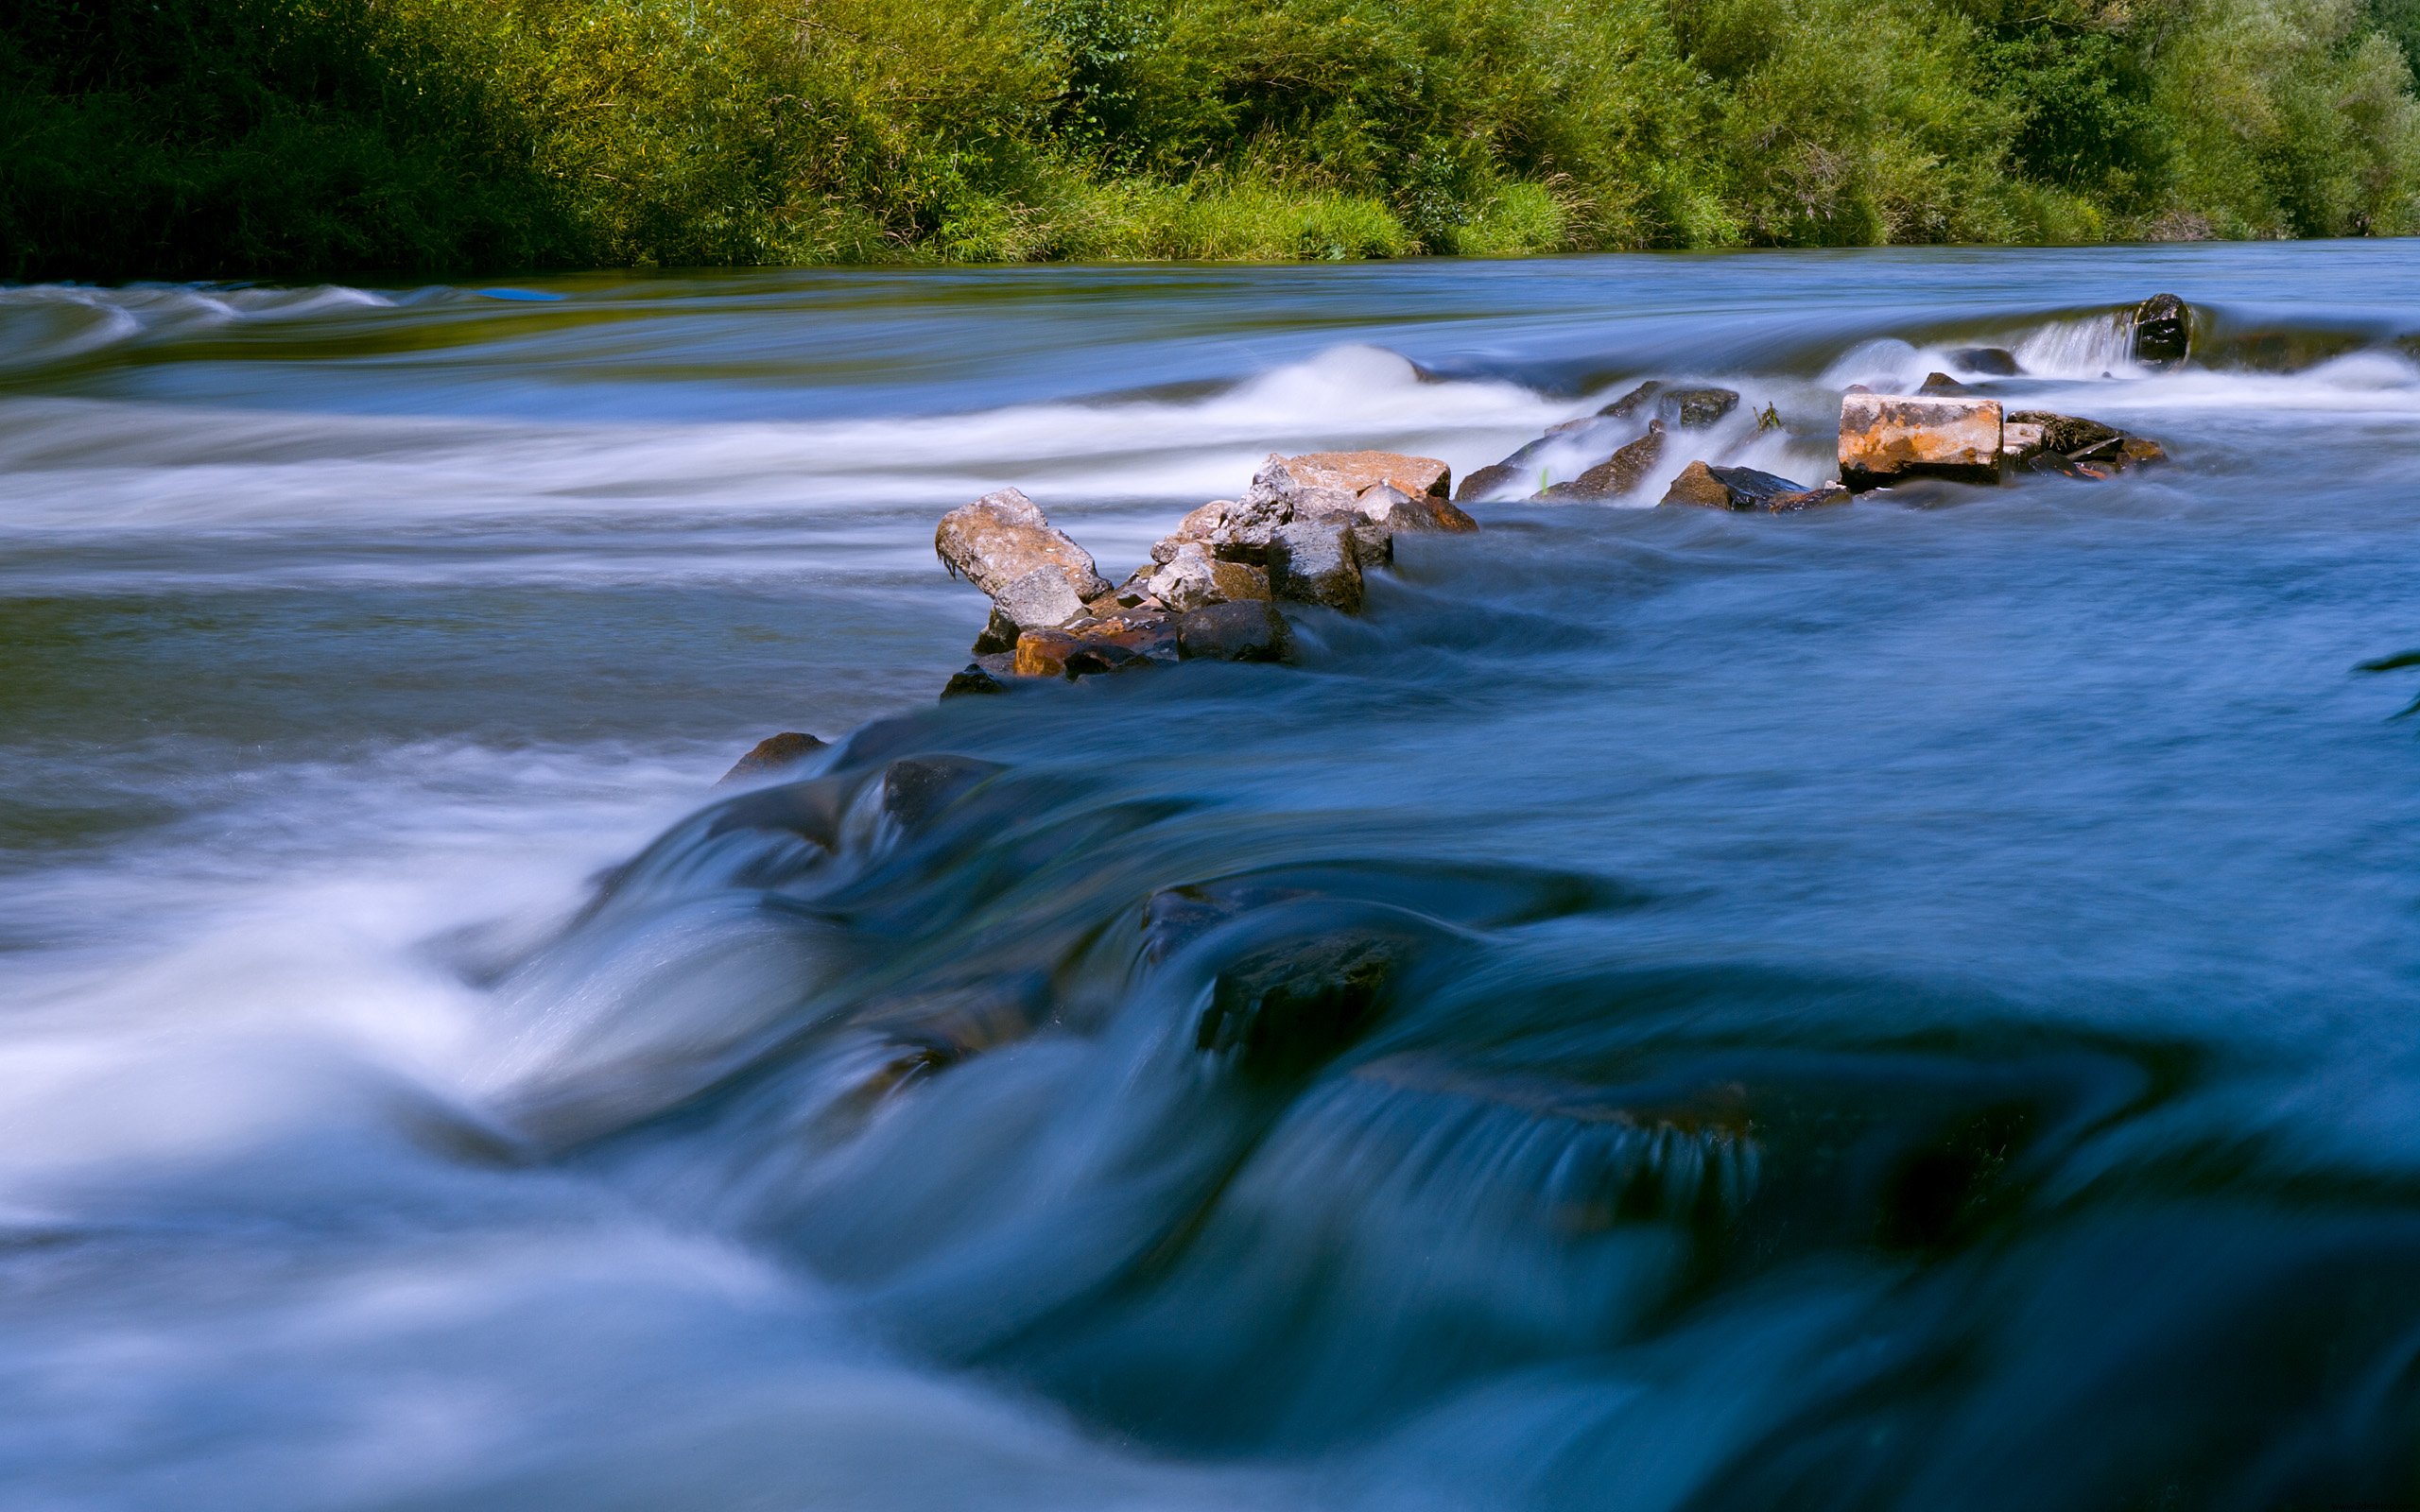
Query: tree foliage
[{"x": 280, "y": 137}]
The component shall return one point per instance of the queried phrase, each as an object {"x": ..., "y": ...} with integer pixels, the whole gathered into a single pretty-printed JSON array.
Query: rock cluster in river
[
  {"x": 1945, "y": 430},
  {"x": 1307, "y": 532},
  {"x": 1310, "y": 528}
]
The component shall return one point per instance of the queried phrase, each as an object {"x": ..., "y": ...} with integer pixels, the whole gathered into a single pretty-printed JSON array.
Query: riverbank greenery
[{"x": 264, "y": 137}]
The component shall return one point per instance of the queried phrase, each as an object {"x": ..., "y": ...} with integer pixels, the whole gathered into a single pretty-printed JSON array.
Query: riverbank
[{"x": 262, "y": 138}]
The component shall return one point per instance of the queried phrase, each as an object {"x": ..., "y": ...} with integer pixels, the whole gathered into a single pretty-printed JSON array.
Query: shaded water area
[{"x": 1908, "y": 1005}]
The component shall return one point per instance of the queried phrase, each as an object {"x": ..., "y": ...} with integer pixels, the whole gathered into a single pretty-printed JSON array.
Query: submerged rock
[
  {"x": 1006, "y": 546},
  {"x": 1997, "y": 362},
  {"x": 1940, "y": 385},
  {"x": 915, "y": 788},
  {"x": 1632, "y": 403},
  {"x": 772, "y": 755},
  {"x": 1619, "y": 473},
  {"x": 1282, "y": 1010},
  {"x": 1695, "y": 410},
  {"x": 1245, "y": 630},
  {"x": 1745, "y": 488},
  {"x": 1887, "y": 437},
  {"x": 1496, "y": 476},
  {"x": 2163, "y": 331}
]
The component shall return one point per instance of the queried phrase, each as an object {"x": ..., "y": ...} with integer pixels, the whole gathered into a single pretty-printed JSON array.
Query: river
[{"x": 1906, "y": 1005}]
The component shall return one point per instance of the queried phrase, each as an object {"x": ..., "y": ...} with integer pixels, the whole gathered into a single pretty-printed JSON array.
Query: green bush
[{"x": 200, "y": 138}]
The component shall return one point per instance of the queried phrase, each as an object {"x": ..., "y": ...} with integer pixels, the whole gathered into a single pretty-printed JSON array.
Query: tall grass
[{"x": 264, "y": 137}]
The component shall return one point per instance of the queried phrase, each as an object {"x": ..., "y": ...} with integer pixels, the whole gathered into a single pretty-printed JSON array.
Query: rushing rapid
[{"x": 1906, "y": 1005}]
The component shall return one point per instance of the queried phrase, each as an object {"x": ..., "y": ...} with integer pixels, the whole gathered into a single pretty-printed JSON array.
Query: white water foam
[{"x": 44, "y": 324}]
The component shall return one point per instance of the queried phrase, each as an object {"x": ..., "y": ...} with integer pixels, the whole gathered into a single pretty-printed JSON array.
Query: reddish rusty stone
[
  {"x": 1885, "y": 437},
  {"x": 1045, "y": 653},
  {"x": 1352, "y": 471}
]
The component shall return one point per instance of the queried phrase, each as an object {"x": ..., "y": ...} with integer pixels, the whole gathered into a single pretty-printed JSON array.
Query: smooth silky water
[{"x": 1910, "y": 1005}]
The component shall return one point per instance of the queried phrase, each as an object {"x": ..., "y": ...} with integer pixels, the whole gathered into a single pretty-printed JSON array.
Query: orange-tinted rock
[
  {"x": 1044, "y": 653},
  {"x": 1352, "y": 471},
  {"x": 2137, "y": 449},
  {"x": 1885, "y": 437}
]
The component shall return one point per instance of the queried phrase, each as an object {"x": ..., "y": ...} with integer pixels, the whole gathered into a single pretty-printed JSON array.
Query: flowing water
[{"x": 1909, "y": 1005}]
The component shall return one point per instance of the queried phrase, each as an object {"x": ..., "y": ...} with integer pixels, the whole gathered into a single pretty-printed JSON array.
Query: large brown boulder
[
  {"x": 1352, "y": 471},
  {"x": 1887, "y": 437},
  {"x": 1006, "y": 546}
]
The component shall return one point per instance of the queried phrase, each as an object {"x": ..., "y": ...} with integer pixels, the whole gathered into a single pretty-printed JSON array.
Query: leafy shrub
[{"x": 264, "y": 137}]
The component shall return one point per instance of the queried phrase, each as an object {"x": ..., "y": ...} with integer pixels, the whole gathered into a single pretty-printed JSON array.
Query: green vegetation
[{"x": 264, "y": 137}]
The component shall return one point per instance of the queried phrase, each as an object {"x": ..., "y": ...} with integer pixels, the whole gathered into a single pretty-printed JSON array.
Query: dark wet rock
[
  {"x": 1619, "y": 473},
  {"x": 1285, "y": 1009},
  {"x": 915, "y": 788},
  {"x": 1821, "y": 496},
  {"x": 1694, "y": 409},
  {"x": 2163, "y": 330},
  {"x": 999, "y": 633},
  {"x": 1731, "y": 488},
  {"x": 1495, "y": 477},
  {"x": 773, "y": 756},
  {"x": 1315, "y": 562},
  {"x": 1006, "y": 546},
  {"x": 1632, "y": 403},
  {"x": 1997, "y": 362},
  {"x": 2139, "y": 449},
  {"x": 1886, "y": 437},
  {"x": 972, "y": 680},
  {"x": 2066, "y": 434},
  {"x": 1248, "y": 630},
  {"x": 1940, "y": 384}
]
